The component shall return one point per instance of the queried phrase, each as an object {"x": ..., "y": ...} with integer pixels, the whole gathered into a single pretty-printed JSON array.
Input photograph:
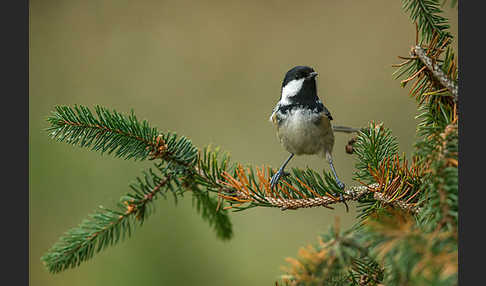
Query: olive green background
[{"x": 209, "y": 70}]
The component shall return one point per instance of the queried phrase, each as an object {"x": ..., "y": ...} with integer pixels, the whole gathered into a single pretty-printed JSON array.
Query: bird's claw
[
  {"x": 340, "y": 184},
  {"x": 341, "y": 197},
  {"x": 276, "y": 177}
]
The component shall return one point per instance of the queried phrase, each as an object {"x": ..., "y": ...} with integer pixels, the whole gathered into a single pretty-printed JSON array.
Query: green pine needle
[
  {"x": 426, "y": 13},
  {"x": 374, "y": 144},
  {"x": 108, "y": 132},
  {"x": 217, "y": 218},
  {"x": 106, "y": 227}
]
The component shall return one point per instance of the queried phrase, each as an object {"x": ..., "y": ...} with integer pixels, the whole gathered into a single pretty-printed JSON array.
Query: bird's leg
[
  {"x": 280, "y": 172},
  {"x": 339, "y": 183},
  {"x": 329, "y": 159}
]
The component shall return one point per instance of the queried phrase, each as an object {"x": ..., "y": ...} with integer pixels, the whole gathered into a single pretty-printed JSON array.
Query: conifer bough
[
  {"x": 406, "y": 232},
  {"x": 181, "y": 168}
]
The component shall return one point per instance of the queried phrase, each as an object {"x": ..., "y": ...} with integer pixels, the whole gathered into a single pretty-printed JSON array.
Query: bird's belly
[{"x": 306, "y": 133}]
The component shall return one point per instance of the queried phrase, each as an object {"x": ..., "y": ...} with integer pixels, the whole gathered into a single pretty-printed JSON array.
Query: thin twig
[
  {"x": 403, "y": 205},
  {"x": 345, "y": 129},
  {"x": 351, "y": 194},
  {"x": 436, "y": 71}
]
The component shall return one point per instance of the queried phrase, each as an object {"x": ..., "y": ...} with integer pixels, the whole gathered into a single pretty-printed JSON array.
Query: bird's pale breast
[{"x": 303, "y": 131}]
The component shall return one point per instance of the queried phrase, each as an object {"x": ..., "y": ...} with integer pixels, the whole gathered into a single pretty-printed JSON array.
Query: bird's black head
[
  {"x": 299, "y": 86},
  {"x": 297, "y": 73}
]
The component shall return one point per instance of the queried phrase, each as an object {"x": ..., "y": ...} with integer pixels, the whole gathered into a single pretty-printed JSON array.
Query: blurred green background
[{"x": 210, "y": 71}]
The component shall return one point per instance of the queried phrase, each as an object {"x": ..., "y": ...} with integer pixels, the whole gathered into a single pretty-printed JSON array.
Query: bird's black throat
[{"x": 306, "y": 98}]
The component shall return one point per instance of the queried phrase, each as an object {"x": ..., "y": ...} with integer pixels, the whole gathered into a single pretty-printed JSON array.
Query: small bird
[{"x": 302, "y": 121}]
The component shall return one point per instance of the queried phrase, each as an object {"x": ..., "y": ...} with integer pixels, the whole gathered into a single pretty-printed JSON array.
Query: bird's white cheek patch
[{"x": 291, "y": 89}]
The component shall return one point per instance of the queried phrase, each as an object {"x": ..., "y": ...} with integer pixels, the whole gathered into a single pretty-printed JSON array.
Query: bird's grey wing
[
  {"x": 327, "y": 113},
  {"x": 325, "y": 110}
]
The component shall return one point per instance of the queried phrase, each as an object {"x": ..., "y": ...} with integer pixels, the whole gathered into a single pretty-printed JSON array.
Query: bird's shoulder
[{"x": 325, "y": 111}]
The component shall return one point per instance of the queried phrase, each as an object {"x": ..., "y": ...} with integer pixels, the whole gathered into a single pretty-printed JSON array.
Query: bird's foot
[
  {"x": 340, "y": 184},
  {"x": 280, "y": 173},
  {"x": 341, "y": 198}
]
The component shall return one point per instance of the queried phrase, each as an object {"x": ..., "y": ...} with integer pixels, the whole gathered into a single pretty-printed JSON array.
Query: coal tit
[{"x": 302, "y": 121}]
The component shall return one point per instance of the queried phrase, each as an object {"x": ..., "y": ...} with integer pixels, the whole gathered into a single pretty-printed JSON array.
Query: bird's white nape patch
[{"x": 291, "y": 89}]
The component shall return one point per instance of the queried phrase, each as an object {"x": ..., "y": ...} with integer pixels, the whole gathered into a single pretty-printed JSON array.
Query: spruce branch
[
  {"x": 391, "y": 181},
  {"x": 296, "y": 194},
  {"x": 435, "y": 80},
  {"x": 292, "y": 193},
  {"x": 207, "y": 206},
  {"x": 201, "y": 172},
  {"x": 396, "y": 203},
  {"x": 413, "y": 255},
  {"x": 373, "y": 145},
  {"x": 339, "y": 258},
  {"x": 436, "y": 71},
  {"x": 109, "y": 131},
  {"x": 427, "y": 15},
  {"x": 399, "y": 184},
  {"x": 435, "y": 77},
  {"x": 106, "y": 227},
  {"x": 112, "y": 132},
  {"x": 441, "y": 208}
]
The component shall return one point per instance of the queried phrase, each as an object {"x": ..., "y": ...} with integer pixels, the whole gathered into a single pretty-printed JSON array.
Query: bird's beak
[{"x": 312, "y": 75}]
